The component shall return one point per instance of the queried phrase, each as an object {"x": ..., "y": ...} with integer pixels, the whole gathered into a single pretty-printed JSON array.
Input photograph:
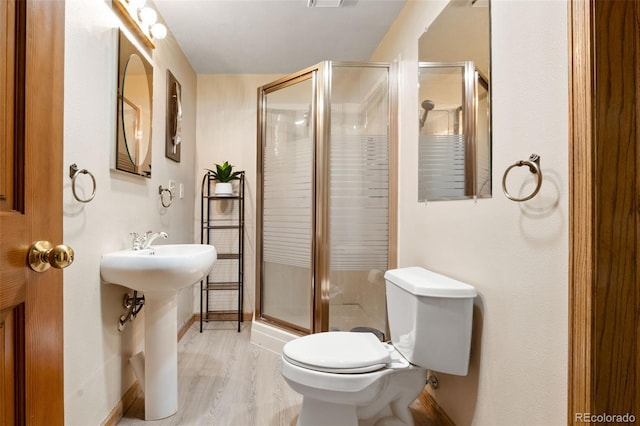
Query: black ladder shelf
[{"x": 221, "y": 218}]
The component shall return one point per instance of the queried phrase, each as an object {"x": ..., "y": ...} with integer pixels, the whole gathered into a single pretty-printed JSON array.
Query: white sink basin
[
  {"x": 159, "y": 272},
  {"x": 162, "y": 268}
]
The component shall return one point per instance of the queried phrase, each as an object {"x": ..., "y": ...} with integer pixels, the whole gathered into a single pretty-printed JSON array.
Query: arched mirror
[
  {"x": 454, "y": 146},
  {"x": 135, "y": 85}
]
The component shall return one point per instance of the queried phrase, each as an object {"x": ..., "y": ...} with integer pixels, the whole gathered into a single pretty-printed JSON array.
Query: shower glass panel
[
  {"x": 288, "y": 207},
  {"x": 358, "y": 196}
]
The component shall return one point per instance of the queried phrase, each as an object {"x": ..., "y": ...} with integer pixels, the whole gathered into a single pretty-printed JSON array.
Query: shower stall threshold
[{"x": 269, "y": 337}]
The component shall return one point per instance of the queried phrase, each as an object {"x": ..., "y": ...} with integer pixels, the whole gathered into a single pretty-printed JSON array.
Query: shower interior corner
[
  {"x": 323, "y": 202},
  {"x": 350, "y": 307}
]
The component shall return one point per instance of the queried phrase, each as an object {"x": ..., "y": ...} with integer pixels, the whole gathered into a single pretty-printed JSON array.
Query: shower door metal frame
[
  {"x": 312, "y": 74},
  {"x": 321, "y": 76}
]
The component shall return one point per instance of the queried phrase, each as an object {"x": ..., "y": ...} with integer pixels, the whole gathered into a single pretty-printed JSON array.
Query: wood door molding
[
  {"x": 604, "y": 208},
  {"x": 581, "y": 209},
  {"x": 11, "y": 367}
]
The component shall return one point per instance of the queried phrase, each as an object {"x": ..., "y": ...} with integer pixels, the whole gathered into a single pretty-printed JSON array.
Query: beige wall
[
  {"x": 226, "y": 130},
  {"x": 516, "y": 255},
  {"x": 97, "y": 371}
]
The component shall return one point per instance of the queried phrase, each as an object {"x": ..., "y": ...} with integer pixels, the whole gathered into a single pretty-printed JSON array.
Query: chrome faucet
[
  {"x": 149, "y": 237},
  {"x": 137, "y": 242}
]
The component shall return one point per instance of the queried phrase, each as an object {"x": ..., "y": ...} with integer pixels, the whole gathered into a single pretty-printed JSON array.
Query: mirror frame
[
  {"x": 173, "y": 135},
  {"x": 123, "y": 162}
]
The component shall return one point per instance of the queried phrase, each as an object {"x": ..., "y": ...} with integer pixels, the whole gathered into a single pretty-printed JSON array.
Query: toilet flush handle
[{"x": 432, "y": 381}]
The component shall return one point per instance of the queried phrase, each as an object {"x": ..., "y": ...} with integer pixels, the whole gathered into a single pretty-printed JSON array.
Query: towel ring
[
  {"x": 74, "y": 172},
  {"x": 161, "y": 191},
  {"x": 534, "y": 167}
]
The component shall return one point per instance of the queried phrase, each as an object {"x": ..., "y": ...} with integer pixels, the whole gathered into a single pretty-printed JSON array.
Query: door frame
[{"x": 604, "y": 201}]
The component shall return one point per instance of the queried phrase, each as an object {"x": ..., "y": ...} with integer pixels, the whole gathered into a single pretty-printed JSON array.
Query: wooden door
[
  {"x": 31, "y": 120},
  {"x": 604, "y": 322}
]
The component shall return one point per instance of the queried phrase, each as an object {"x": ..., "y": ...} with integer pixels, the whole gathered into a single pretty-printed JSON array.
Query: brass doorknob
[{"x": 42, "y": 256}]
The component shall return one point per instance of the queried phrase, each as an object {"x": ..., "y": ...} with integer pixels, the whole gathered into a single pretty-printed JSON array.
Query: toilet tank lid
[{"x": 422, "y": 282}]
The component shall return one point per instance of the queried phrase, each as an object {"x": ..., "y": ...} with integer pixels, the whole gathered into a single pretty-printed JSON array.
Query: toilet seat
[
  {"x": 357, "y": 370},
  {"x": 339, "y": 352}
]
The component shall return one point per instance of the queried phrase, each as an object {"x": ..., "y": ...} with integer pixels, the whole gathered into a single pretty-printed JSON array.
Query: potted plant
[{"x": 224, "y": 174}]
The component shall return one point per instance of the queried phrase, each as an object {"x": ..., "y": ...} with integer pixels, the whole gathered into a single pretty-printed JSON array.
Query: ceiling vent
[{"x": 324, "y": 3}]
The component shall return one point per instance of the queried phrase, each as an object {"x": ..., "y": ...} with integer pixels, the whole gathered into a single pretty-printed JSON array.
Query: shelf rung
[
  {"x": 228, "y": 256},
  {"x": 229, "y": 285},
  {"x": 205, "y": 226},
  {"x": 220, "y": 315},
  {"x": 218, "y": 197}
]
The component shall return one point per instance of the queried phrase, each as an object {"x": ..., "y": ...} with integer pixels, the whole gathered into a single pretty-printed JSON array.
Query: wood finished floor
[{"x": 224, "y": 380}]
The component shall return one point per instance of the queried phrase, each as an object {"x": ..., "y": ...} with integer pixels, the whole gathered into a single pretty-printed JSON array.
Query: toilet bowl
[{"x": 351, "y": 378}]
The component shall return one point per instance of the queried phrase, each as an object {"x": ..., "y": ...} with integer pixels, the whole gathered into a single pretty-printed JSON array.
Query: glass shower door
[
  {"x": 359, "y": 195},
  {"x": 287, "y": 203}
]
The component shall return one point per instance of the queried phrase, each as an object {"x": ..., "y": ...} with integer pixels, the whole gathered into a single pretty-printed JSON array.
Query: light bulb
[
  {"x": 158, "y": 31},
  {"x": 138, "y": 4},
  {"x": 147, "y": 16}
]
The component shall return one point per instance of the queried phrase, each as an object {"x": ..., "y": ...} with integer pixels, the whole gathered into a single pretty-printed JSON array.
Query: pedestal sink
[{"x": 159, "y": 272}]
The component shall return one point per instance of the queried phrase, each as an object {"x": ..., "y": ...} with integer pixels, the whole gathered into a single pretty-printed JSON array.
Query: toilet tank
[{"x": 430, "y": 318}]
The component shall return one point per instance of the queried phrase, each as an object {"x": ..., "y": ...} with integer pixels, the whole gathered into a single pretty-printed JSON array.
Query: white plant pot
[{"x": 224, "y": 188}]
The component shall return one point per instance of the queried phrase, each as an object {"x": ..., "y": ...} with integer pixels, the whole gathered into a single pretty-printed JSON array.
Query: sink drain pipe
[{"x": 133, "y": 304}]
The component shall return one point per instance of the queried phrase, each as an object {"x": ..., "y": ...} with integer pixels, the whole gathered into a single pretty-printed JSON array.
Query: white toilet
[{"x": 349, "y": 378}]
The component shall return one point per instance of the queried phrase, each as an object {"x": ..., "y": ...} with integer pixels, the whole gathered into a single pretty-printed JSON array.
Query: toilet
[{"x": 352, "y": 378}]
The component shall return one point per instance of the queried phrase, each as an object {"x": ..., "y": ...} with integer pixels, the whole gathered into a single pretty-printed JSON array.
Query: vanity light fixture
[
  {"x": 147, "y": 16},
  {"x": 141, "y": 19},
  {"x": 158, "y": 31},
  {"x": 148, "y": 19}
]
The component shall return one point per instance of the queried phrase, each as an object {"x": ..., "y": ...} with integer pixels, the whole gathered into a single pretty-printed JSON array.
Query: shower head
[{"x": 427, "y": 105}]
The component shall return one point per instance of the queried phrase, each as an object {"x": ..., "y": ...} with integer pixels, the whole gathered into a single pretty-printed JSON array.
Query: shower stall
[{"x": 325, "y": 215}]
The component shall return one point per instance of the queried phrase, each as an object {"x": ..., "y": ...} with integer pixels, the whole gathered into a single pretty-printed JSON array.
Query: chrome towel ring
[
  {"x": 74, "y": 172},
  {"x": 534, "y": 167},
  {"x": 162, "y": 191}
]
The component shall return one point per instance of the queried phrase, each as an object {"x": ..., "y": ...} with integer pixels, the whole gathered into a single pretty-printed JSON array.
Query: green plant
[{"x": 224, "y": 173}]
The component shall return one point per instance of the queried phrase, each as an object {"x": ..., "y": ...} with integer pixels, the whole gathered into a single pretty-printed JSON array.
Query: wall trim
[
  {"x": 185, "y": 327},
  {"x": 129, "y": 397},
  {"x": 426, "y": 411}
]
